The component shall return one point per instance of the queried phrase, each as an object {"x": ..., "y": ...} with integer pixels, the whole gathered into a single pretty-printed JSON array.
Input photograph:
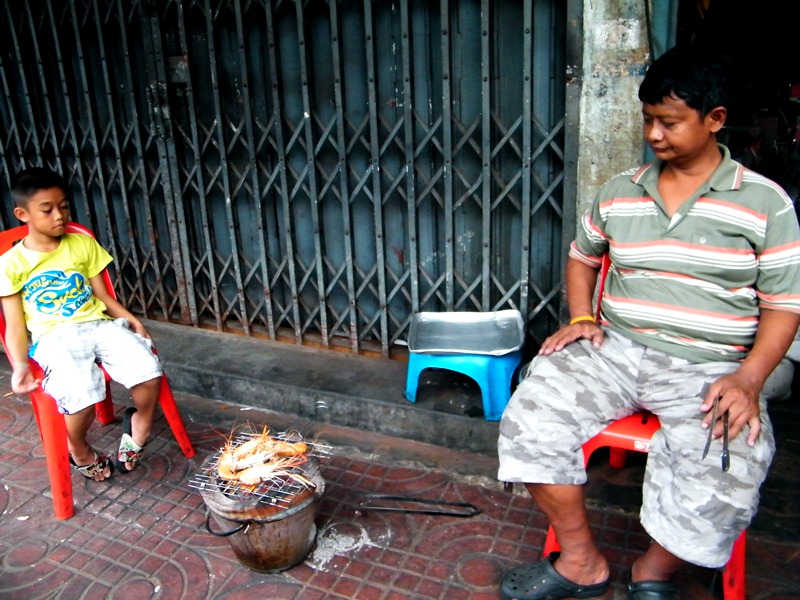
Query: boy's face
[
  {"x": 678, "y": 133},
  {"x": 47, "y": 212}
]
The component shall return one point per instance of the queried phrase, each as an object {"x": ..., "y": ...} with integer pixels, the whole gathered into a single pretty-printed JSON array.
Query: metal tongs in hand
[{"x": 726, "y": 461}]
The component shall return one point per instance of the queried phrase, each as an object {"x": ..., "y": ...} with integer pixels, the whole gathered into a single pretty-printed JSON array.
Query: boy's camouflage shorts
[{"x": 690, "y": 506}]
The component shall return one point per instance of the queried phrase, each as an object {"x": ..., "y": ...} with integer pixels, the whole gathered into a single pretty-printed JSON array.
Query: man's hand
[
  {"x": 566, "y": 335},
  {"x": 739, "y": 391},
  {"x": 23, "y": 381},
  {"x": 738, "y": 396}
]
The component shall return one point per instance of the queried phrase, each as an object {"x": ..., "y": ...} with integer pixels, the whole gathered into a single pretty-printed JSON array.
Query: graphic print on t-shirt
[{"x": 57, "y": 293}]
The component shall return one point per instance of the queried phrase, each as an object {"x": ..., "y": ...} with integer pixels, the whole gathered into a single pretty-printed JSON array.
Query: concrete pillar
[{"x": 615, "y": 57}]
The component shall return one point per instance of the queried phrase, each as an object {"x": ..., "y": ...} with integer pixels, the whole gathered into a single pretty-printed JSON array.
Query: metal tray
[{"x": 495, "y": 333}]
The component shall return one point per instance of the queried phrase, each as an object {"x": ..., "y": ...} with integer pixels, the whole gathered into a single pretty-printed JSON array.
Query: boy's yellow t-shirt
[{"x": 55, "y": 285}]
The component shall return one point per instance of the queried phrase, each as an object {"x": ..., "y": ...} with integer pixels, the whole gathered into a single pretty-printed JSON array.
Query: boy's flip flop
[
  {"x": 129, "y": 451},
  {"x": 96, "y": 467}
]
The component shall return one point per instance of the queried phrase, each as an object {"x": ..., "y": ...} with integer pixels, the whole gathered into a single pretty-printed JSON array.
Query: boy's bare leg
[
  {"x": 145, "y": 398},
  {"x": 77, "y": 425},
  {"x": 580, "y": 560}
]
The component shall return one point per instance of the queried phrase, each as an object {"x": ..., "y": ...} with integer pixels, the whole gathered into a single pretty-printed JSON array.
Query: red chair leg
[
  {"x": 733, "y": 577},
  {"x": 54, "y": 438},
  {"x": 167, "y": 401},
  {"x": 550, "y": 542},
  {"x": 104, "y": 411}
]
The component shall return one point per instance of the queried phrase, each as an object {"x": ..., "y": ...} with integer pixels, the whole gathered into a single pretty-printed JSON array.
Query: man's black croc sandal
[
  {"x": 540, "y": 581},
  {"x": 651, "y": 590}
]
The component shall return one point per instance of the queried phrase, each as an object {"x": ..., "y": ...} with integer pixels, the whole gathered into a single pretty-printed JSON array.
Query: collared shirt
[{"x": 693, "y": 284}]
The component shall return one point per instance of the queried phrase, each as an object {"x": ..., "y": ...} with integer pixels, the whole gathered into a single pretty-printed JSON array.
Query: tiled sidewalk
[{"x": 143, "y": 535}]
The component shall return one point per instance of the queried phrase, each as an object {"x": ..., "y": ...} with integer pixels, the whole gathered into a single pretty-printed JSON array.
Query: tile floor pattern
[{"x": 143, "y": 535}]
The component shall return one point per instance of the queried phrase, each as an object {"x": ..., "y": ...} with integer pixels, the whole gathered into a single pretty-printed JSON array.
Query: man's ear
[
  {"x": 716, "y": 118},
  {"x": 21, "y": 214}
]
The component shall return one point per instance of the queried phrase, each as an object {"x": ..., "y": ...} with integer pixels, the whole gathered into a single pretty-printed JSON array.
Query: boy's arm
[
  {"x": 113, "y": 307},
  {"x": 16, "y": 343}
]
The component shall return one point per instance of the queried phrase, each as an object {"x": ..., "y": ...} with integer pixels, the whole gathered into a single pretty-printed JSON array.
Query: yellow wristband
[{"x": 582, "y": 318}]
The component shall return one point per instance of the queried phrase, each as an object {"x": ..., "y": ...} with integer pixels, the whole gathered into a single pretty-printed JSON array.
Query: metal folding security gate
[{"x": 317, "y": 170}]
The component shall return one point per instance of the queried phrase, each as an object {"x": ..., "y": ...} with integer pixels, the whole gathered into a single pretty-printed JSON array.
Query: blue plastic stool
[{"x": 492, "y": 373}]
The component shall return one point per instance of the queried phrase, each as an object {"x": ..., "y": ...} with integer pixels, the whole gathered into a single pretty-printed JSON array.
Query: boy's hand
[
  {"x": 23, "y": 381},
  {"x": 137, "y": 327}
]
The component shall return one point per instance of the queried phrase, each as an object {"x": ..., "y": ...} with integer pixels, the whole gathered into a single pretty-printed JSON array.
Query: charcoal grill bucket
[{"x": 267, "y": 539}]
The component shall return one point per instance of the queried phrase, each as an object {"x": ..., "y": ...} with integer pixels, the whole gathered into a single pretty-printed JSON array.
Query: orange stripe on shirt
[
  {"x": 687, "y": 245},
  {"x": 780, "y": 297},
  {"x": 783, "y": 248},
  {"x": 677, "y": 308},
  {"x": 732, "y": 206}
]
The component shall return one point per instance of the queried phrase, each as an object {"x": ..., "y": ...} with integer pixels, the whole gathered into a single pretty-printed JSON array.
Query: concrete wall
[{"x": 615, "y": 57}]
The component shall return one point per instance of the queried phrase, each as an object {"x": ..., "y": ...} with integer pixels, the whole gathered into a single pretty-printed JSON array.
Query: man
[{"x": 701, "y": 303}]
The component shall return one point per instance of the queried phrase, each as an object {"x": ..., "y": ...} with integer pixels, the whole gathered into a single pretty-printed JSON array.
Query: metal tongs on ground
[
  {"x": 726, "y": 461},
  {"x": 400, "y": 504}
]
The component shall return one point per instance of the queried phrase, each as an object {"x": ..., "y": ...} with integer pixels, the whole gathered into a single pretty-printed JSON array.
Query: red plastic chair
[
  {"x": 635, "y": 433},
  {"x": 51, "y": 424}
]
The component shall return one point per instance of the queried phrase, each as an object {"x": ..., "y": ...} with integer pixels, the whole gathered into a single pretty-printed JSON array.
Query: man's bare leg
[
  {"x": 657, "y": 564},
  {"x": 77, "y": 426},
  {"x": 580, "y": 560}
]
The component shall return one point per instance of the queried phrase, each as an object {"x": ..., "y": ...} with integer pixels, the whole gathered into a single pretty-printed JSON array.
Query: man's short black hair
[
  {"x": 696, "y": 75},
  {"x": 32, "y": 180}
]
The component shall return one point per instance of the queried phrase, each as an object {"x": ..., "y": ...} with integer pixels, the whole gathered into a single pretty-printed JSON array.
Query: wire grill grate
[{"x": 277, "y": 491}]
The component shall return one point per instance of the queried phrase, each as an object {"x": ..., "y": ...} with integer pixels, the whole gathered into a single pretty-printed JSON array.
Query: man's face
[
  {"x": 47, "y": 212},
  {"x": 676, "y": 132}
]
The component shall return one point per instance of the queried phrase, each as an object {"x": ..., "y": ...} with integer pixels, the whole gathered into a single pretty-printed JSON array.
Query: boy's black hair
[
  {"x": 695, "y": 75},
  {"x": 32, "y": 180}
]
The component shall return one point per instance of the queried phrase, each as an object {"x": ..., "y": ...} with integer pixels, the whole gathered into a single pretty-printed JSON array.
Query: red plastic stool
[{"x": 635, "y": 433}]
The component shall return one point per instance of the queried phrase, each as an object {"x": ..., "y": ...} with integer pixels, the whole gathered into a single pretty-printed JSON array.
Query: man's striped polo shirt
[{"x": 693, "y": 284}]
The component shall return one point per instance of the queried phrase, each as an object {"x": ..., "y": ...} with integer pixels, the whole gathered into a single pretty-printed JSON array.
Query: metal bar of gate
[
  {"x": 99, "y": 196},
  {"x": 173, "y": 202},
  {"x": 206, "y": 260},
  {"x": 574, "y": 77},
  {"x": 408, "y": 150},
  {"x": 447, "y": 149},
  {"x": 527, "y": 143},
  {"x": 377, "y": 202},
  {"x": 226, "y": 186},
  {"x": 344, "y": 186},
  {"x": 5, "y": 223},
  {"x": 293, "y": 301},
  {"x": 486, "y": 155},
  {"x": 74, "y": 174},
  {"x": 10, "y": 126},
  {"x": 50, "y": 128},
  {"x": 313, "y": 199},
  {"x": 254, "y": 192},
  {"x": 118, "y": 172},
  {"x": 23, "y": 82},
  {"x": 137, "y": 169}
]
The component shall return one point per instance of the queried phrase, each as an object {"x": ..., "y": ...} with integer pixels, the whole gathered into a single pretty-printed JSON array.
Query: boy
[
  {"x": 51, "y": 284},
  {"x": 701, "y": 303}
]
